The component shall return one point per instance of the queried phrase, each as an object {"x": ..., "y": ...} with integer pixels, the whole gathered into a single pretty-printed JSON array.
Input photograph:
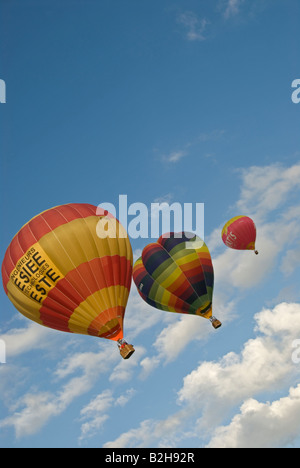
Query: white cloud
[
  {"x": 148, "y": 365},
  {"x": 33, "y": 410},
  {"x": 214, "y": 389},
  {"x": 291, "y": 261},
  {"x": 95, "y": 414},
  {"x": 268, "y": 188},
  {"x": 39, "y": 408},
  {"x": 123, "y": 371},
  {"x": 195, "y": 27},
  {"x": 174, "y": 338},
  {"x": 150, "y": 433},
  {"x": 214, "y": 135},
  {"x": 262, "y": 425},
  {"x": 98, "y": 404},
  {"x": 135, "y": 437},
  {"x": 181, "y": 330},
  {"x": 21, "y": 340},
  {"x": 123, "y": 399},
  {"x": 264, "y": 364},
  {"x": 91, "y": 428},
  {"x": 87, "y": 362},
  {"x": 232, "y": 8},
  {"x": 195, "y": 144},
  {"x": 174, "y": 156}
]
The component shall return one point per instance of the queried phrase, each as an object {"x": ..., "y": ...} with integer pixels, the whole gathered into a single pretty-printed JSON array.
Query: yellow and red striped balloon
[{"x": 60, "y": 273}]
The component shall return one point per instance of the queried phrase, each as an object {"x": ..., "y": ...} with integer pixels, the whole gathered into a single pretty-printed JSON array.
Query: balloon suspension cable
[{"x": 215, "y": 322}]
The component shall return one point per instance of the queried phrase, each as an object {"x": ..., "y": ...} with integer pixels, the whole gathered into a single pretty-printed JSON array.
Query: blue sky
[{"x": 185, "y": 102}]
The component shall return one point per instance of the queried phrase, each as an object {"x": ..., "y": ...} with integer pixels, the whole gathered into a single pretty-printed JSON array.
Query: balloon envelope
[
  {"x": 240, "y": 233},
  {"x": 62, "y": 272},
  {"x": 176, "y": 274}
]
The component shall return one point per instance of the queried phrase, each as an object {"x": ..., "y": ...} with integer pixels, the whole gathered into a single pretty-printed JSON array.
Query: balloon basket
[
  {"x": 127, "y": 351},
  {"x": 256, "y": 252},
  {"x": 215, "y": 323}
]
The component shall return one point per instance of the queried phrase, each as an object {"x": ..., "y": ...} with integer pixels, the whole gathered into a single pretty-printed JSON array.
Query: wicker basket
[
  {"x": 216, "y": 323},
  {"x": 127, "y": 351}
]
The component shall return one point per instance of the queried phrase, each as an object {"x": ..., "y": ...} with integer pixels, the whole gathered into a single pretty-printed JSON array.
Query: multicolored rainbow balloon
[{"x": 176, "y": 274}]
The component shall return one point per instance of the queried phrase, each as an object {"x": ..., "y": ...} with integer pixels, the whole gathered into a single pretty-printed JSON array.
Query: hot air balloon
[
  {"x": 61, "y": 271},
  {"x": 240, "y": 233},
  {"x": 175, "y": 274}
]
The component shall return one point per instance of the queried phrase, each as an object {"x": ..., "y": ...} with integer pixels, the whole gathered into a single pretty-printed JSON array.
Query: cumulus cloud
[
  {"x": 264, "y": 363},
  {"x": 174, "y": 338},
  {"x": 262, "y": 425},
  {"x": 148, "y": 365},
  {"x": 33, "y": 410},
  {"x": 134, "y": 437},
  {"x": 30, "y": 337},
  {"x": 96, "y": 412},
  {"x": 38, "y": 409},
  {"x": 123, "y": 371},
  {"x": 268, "y": 188},
  {"x": 291, "y": 260},
  {"x": 181, "y": 330},
  {"x": 214, "y": 389},
  {"x": 162, "y": 433}
]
